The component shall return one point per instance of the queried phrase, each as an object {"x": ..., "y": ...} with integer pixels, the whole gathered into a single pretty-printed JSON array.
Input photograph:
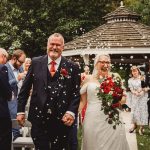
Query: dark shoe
[{"x": 132, "y": 130}]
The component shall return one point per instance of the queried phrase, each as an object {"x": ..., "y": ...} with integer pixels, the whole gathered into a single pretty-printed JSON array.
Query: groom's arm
[
  {"x": 69, "y": 117},
  {"x": 25, "y": 91},
  {"x": 75, "y": 92},
  {"x": 23, "y": 96}
]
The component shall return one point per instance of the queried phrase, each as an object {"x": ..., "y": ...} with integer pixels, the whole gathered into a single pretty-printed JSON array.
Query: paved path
[{"x": 131, "y": 137}]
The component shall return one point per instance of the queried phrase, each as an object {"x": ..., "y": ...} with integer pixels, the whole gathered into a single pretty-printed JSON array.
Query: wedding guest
[
  {"x": 55, "y": 97},
  {"x": 146, "y": 85},
  {"x": 139, "y": 112},
  {"x": 98, "y": 131},
  {"x": 15, "y": 74},
  {"x": 85, "y": 73},
  {"x": 25, "y": 66},
  {"x": 83, "y": 77},
  {"x": 5, "y": 95}
]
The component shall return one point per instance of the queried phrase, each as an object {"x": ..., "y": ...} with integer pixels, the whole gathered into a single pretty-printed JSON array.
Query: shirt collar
[
  {"x": 57, "y": 60},
  {"x": 11, "y": 66}
]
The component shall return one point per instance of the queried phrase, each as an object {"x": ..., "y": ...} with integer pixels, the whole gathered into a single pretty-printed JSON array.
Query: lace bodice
[{"x": 92, "y": 100}]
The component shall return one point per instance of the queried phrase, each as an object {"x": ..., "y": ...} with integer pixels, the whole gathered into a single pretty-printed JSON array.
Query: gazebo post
[{"x": 86, "y": 58}]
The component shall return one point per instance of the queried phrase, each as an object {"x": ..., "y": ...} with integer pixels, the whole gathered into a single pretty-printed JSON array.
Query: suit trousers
[
  {"x": 12, "y": 105},
  {"x": 5, "y": 133},
  {"x": 73, "y": 139},
  {"x": 50, "y": 135}
]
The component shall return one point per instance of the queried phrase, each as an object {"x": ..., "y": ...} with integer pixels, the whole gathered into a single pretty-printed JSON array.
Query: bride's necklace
[{"x": 103, "y": 75}]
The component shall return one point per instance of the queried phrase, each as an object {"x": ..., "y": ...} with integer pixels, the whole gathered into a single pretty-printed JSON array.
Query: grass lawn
[
  {"x": 143, "y": 141},
  {"x": 79, "y": 137}
]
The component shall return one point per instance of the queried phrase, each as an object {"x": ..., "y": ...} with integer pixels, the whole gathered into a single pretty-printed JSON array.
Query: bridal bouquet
[{"x": 110, "y": 93}]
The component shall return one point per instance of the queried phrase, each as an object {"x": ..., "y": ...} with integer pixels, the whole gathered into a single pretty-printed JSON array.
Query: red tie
[{"x": 52, "y": 68}]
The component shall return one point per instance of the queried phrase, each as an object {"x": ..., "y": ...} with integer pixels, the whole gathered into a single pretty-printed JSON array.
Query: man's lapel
[
  {"x": 62, "y": 63},
  {"x": 44, "y": 64},
  {"x": 10, "y": 71}
]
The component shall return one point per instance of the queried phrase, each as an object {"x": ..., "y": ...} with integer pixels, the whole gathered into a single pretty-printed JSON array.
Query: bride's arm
[
  {"x": 83, "y": 93},
  {"x": 83, "y": 101}
]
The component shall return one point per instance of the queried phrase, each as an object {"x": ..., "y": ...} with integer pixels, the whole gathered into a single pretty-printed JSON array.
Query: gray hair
[
  {"x": 55, "y": 35},
  {"x": 96, "y": 60},
  {"x": 99, "y": 56},
  {"x": 3, "y": 52}
]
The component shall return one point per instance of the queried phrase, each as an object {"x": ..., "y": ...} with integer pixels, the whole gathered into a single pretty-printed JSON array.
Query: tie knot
[{"x": 53, "y": 62}]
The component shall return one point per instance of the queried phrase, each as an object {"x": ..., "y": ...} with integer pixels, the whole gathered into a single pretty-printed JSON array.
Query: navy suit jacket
[
  {"x": 5, "y": 92},
  {"x": 68, "y": 92}
]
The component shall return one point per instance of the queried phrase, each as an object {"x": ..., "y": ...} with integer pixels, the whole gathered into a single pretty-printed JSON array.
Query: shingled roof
[{"x": 122, "y": 31}]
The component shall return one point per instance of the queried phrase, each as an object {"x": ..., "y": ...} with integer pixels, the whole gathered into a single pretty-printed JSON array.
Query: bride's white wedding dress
[{"x": 97, "y": 133}]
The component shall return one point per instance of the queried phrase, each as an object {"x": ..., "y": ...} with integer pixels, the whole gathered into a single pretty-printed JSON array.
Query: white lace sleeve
[
  {"x": 130, "y": 84},
  {"x": 83, "y": 89}
]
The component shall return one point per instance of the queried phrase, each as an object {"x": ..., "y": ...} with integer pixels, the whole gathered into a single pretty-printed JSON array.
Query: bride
[{"x": 97, "y": 133}]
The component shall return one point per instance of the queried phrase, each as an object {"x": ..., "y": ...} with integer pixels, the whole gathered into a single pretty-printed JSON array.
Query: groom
[{"x": 55, "y": 97}]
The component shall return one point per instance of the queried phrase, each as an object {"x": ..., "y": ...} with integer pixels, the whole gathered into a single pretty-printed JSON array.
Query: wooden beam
[{"x": 129, "y": 61}]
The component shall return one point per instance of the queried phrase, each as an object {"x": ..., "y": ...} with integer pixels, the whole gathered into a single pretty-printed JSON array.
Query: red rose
[
  {"x": 103, "y": 85},
  {"x": 115, "y": 105},
  {"x": 107, "y": 90},
  {"x": 114, "y": 94},
  {"x": 110, "y": 93},
  {"x": 118, "y": 90},
  {"x": 111, "y": 83},
  {"x": 64, "y": 72}
]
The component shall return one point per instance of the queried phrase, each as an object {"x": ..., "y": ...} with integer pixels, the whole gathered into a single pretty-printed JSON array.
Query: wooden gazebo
[{"x": 122, "y": 36}]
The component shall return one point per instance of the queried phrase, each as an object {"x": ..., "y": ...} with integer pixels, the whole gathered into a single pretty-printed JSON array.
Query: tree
[
  {"x": 27, "y": 24},
  {"x": 142, "y": 7}
]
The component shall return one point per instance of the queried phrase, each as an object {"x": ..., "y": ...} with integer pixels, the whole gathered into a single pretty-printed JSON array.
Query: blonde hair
[{"x": 27, "y": 59}]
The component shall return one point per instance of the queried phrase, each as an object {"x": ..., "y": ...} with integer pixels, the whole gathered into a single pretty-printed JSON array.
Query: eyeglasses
[
  {"x": 104, "y": 62},
  {"x": 20, "y": 61}
]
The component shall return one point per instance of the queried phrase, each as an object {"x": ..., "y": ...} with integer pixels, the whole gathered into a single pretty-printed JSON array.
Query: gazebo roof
[
  {"x": 122, "y": 12},
  {"x": 121, "y": 31}
]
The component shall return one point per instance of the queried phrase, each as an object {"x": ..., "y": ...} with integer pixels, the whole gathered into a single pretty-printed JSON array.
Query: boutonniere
[{"x": 64, "y": 72}]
